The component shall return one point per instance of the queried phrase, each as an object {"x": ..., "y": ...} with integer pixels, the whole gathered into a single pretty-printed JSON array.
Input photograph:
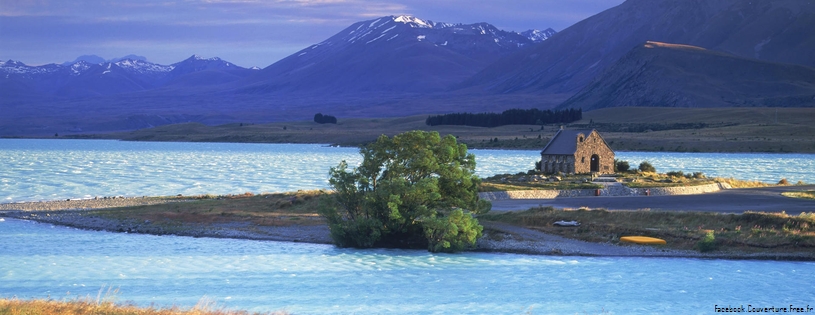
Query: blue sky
[{"x": 245, "y": 32}]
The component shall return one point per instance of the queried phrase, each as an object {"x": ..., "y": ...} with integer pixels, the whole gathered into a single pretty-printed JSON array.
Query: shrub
[
  {"x": 621, "y": 166},
  {"x": 699, "y": 175},
  {"x": 783, "y": 181},
  {"x": 647, "y": 167},
  {"x": 675, "y": 174},
  {"x": 324, "y": 119},
  {"x": 707, "y": 243}
]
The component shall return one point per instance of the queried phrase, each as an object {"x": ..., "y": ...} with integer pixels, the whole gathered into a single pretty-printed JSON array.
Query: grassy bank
[
  {"x": 809, "y": 194},
  {"x": 88, "y": 307},
  {"x": 748, "y": 232},
  {"x": 267, "y": 210},
  {"x": 625, "y": 129},
  {"x": 745, "y": 233}
]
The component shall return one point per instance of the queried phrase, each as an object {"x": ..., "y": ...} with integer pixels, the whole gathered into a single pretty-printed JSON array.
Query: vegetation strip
[
  {"x": 293, "y": 217},
  {"x": 728, "y": 233}
]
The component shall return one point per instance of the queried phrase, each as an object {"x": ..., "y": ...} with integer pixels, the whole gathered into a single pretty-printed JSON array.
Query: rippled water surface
[
  {"x": 60, "y": 169},
  {"x": 40, "y": 260}
]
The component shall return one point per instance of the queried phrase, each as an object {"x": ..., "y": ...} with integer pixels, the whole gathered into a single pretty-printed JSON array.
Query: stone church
[{"x": 577, "y": 152}]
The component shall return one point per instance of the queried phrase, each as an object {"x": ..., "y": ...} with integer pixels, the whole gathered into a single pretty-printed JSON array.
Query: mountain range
[
  {"x": 658, "y": 74},
  {"x": 679, "y": 53}
]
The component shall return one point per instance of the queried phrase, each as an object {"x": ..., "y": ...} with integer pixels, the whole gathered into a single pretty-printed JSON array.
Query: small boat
[
  {"x": 566, "y": 223},
  {"x": 643, "y": 240}
]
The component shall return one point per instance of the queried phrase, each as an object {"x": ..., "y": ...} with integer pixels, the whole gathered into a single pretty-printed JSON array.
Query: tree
[
  {"x": 647, "y": 167},
  {"x": 414, "y": 190},
  {"x": 621, "y": 166},
  {"x": 324, "y": 119}
]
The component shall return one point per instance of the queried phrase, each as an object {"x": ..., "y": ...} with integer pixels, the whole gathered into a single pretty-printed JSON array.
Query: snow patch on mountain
[
  {"x": 412, "y": 21},
  {"x": 144, "y": 67},
  {"x": 538, "y": 35},
  {"x": 79, "y": 68}
]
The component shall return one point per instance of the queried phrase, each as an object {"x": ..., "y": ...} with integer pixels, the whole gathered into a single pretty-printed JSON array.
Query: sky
[{"x": 247, "y": 33}]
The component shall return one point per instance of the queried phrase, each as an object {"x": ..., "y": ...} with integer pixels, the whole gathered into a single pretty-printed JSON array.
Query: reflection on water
[
  {"x": 60, "y": 169},
  {"x": 40, "y": 260}
]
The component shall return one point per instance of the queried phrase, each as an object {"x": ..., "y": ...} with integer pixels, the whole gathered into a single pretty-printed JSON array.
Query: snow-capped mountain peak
[
  {"x": 11, "y": 63},
  {"x": 538, "y": 35},
  {"x": 198, "y": 57},
  {"x": 412, "y": 21},
  {"x": 141, "y": 66},
  {"x": 79, "y": 67}
]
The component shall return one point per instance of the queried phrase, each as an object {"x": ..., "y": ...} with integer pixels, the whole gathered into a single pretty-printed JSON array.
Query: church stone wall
[{"x": 591, "y": 145}]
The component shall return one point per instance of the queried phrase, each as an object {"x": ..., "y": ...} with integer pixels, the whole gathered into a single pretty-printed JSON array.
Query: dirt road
[{"x": 766, "y": 199}]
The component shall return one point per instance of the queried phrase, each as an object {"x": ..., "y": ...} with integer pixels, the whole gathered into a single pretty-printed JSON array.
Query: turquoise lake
[
  {"x": 34, "y": 170},
  {"x": 41, "y": 260}
]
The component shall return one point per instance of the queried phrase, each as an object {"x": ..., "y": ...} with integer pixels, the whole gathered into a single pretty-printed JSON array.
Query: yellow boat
[{"x": 643, "y": 240}]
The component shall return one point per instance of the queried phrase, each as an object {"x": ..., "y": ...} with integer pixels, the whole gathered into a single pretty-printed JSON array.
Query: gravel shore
[
  {"x": 499, "y": 237},
  {"x": 88, "y": 204}
]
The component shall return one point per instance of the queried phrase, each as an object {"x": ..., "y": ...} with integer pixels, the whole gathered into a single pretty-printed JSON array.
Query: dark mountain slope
[
  {"x": 772, "y": 30},
  {"x": 668, "y": 75},
  {"x": 394, "y": 54}
]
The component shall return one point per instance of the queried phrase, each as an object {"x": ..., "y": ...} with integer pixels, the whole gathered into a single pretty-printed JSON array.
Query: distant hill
[
  {"x": 770, "y": 30},
  {"x": 658, "y": 74},
  {"x": 83, "y": 79}
]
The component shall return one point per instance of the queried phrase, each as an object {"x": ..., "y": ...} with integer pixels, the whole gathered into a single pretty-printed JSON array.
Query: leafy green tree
[{"x": 414, "y": 190}]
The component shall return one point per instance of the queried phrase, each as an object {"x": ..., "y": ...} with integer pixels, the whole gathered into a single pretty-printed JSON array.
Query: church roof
[{"x": 565, "y": 142}]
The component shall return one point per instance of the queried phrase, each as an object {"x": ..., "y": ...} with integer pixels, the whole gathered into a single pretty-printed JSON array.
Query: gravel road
[{"x": 765, "y": 199}]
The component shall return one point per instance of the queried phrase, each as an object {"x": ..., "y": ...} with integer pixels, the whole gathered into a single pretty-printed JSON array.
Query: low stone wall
[{"x": 611, "y": 190}]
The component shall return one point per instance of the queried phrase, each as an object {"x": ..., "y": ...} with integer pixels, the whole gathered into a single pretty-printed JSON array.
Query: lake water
[
  {"x": 33, "y": 170},
  {"x": 40, "y": 260}
]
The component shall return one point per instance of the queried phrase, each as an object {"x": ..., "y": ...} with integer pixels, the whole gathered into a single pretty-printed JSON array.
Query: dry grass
[
  {"x": 278, "y": 209},
  {"x": 737, "y": 183},
  {"x": 749, "y": 232},
  {"x": 523, "y": 181},
  {"x": 104, "y": 305},
  {"x": 808, "y": 194},
  {"x": 83, "y": 307},
  {"x": 729, "y": 130}
]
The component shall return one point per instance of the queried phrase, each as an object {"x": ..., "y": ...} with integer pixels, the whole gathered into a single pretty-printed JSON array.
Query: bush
[
  {"x": 707, "y": 243},
  {"x": 647, "y": 167},
  {"x": 675, "y": 174},
  {"x": 324, "y": 119},
  {"x": 699, "y": 175},
  {"x": 621, "y": 166},
  {"x": 783, "y": 181}
]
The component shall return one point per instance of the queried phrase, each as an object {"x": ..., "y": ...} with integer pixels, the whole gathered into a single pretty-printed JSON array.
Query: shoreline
[
  {"x": 498, "y": 237},
  {"x": 470, "y": 146}
]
